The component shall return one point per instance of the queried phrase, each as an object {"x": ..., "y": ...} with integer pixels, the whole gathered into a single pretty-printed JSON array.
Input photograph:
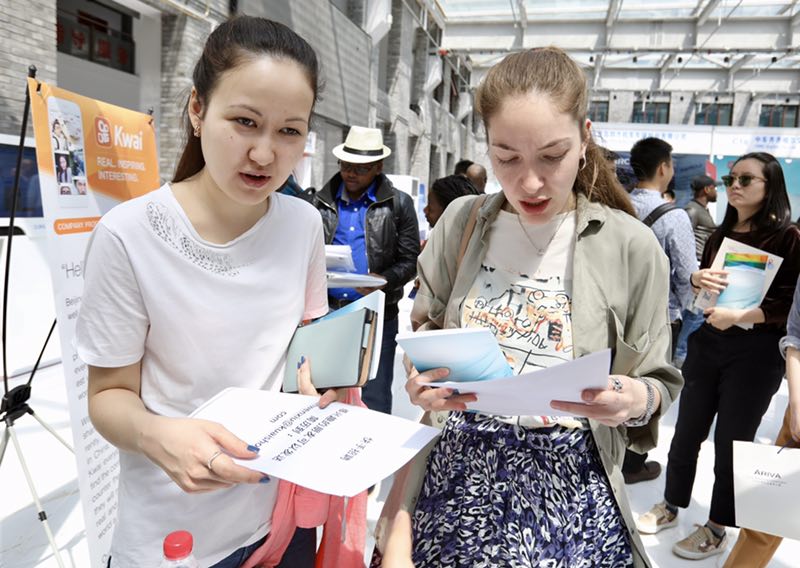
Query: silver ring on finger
[
  {"x": 210, "y": 462},
  {"x": 616, "y": 384}
]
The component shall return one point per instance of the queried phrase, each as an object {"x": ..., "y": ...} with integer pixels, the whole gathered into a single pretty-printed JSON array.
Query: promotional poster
[{"x": 91, "y": 156}]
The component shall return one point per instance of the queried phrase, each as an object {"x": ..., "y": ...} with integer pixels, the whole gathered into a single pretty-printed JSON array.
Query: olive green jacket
[{"x": 619, "y": 300}]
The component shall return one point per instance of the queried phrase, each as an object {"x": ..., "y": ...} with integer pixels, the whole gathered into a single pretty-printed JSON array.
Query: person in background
[
  {"x": 186, "y": 294},
  {"x": 63, "y": 170},
  {"x": 651, "y": 160},
  {"x": 59, "y": 137},
  {"x": 443, "y": 192},
  {"x": 361, "y": 208},
  {"x": 539, "y": 490},
  {"x": 291, "y": 187},
  {"x": 476, "y": 173},
  {"x": 731, "y": 372},
  {"x": 754, "y": 549},
  {"x": 461, "y": 167},
  {"x": 668, "y": 196},
  {"x": 704, "y": 190}
]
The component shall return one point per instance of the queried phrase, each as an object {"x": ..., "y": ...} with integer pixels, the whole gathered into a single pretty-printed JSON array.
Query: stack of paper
[
  {"x": 341, "y": 270},
  {"x": 339, "y": 258}
]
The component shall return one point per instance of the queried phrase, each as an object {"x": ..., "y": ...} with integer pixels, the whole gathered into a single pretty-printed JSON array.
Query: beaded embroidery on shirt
[{"x": 166, "y": 227}]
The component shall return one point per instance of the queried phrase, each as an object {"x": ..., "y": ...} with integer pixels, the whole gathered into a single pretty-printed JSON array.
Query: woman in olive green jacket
[{"x": 558, "y": 267}]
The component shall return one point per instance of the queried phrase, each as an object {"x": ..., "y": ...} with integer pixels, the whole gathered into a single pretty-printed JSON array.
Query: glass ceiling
[{"x": 598, "y": 9}]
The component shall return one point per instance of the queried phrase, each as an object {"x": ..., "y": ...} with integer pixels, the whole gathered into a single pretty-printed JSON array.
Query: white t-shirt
[
  {"x": 201, "y": 317},
  {"x": 526, "y": 298}
]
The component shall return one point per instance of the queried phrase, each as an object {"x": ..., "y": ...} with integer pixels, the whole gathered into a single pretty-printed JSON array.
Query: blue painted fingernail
[
  {"x": 264, "y": 479},
  {"x": 253, "y": 449},
  {"x": 456, "y": 392},
  {"x": 302, "y": 359}
]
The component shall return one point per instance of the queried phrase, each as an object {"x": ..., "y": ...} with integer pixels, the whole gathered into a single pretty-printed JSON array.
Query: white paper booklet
[
  {"x": 339, "y": 258},
  {"x": 341, "y": 450},
  {"x": 530, "y": 394},
  {"x": 352, "y": 280},
  {"x": 750, "y": 274},
  {"x": 471, "y": 353}
]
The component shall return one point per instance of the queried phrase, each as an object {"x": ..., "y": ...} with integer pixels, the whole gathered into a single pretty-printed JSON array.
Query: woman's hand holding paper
[
  {"x": 197, "y": 454},
  {"x": 429, "y": 397},
  {"x": 715, "y": 281},
  {"x": 624, "y": 399}
]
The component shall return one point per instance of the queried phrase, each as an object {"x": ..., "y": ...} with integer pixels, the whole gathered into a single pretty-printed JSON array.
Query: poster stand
[{"x": 15, "y": 400}]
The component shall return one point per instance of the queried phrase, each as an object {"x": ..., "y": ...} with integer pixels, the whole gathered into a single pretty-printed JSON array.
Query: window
[
  {"x": 778, "y": 115},
  {"x": 102, "y": 35},
  {"x": 715, "y": 114},
  {"x": 598, "y": 111},
  {"x": 652, "y": 113}
]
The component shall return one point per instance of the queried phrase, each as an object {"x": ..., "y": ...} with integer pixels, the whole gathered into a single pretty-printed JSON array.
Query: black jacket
[{"x": 392, "y": 234}]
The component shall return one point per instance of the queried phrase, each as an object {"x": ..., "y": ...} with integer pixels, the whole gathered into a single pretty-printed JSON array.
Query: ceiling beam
[
  {"x": 523, "y": 13},
  {"x": 665, "y": 67},
  {"x": 788, "y": 8},
  {"x": 598, "y": 69},
  {"x": 706, "y": 13},
  {"x": 740, "y": 63}
]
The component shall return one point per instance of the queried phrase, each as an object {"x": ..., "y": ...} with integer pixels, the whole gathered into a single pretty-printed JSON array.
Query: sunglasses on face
[
  {"x": 744, "y": 180},
  {"x": 360, "y": 170}
]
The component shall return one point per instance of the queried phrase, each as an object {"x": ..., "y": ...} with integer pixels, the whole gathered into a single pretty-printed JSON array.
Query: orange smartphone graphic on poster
[{"x": 69, "y": 158}]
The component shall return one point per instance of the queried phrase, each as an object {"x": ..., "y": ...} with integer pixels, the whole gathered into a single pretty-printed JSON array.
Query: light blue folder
[{"x": 471, "y": 354}]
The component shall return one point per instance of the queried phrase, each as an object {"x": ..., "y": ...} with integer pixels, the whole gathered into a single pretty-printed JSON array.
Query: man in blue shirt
[
  {"x": 361, "y": 208},
  {"x": 651, "y": 160}
]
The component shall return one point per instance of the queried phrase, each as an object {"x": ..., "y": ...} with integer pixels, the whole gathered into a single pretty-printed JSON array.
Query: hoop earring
[{"x": 581, "y": 163}]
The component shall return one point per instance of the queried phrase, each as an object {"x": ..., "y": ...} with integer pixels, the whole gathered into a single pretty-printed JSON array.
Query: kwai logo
[
  {"x": 121, "y": 139},
  {"x": 126, "y": 139},
  {"x": 102, "y": 130}
]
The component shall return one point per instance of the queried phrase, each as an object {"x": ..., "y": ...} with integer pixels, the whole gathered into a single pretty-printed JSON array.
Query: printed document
[
  {"x": 530, "y": 394},
  {"x": 340, "y": 450}
]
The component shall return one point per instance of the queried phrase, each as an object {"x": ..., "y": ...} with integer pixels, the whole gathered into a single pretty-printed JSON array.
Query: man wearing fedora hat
[{"x": 361, "y": 208}]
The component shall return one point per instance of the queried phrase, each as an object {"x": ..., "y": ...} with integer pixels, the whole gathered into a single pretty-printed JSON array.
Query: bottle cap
[{"x": 178, "y": 545}]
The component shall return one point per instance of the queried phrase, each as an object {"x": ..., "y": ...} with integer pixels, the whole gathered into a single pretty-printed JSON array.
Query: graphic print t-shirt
[{"x": 526, "y": 298}]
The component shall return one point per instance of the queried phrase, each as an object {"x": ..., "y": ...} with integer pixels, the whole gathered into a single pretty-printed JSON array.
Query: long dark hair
[
  {"x": 775, "y": 213},
  {"x": 448, "y": 188},
  {"x": 232, "y": 43},
  {"x": 550, "y": 71}
]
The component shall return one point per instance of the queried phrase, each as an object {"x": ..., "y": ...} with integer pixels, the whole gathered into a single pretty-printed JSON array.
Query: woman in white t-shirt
[{"x": 199, "y": 286}]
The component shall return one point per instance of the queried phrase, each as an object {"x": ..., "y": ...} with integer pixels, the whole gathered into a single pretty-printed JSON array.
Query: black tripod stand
[{"x": 15, "y": 401}]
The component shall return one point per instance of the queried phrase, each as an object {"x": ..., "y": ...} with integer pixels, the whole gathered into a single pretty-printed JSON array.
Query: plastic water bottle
[{"x": 178, "y": 551}]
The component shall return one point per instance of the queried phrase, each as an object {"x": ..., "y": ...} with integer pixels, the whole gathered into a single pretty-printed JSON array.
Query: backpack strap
[
  {"x": 656, "y": 213},
  {"x": 469, "y": 228}
]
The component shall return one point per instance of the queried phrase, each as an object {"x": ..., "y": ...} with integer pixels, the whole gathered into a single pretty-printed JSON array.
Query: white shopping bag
[{"x": 766, "y": 482}]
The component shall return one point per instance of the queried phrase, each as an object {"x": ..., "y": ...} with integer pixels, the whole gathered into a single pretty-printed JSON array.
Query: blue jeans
[
  {"x": 300, "y": 554},
  {"x": 691, "y": 323},
  {"x": 377, "y": 393}
]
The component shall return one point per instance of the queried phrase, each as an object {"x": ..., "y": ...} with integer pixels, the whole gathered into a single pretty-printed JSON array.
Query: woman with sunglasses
[{"x": 730, "y": 372}]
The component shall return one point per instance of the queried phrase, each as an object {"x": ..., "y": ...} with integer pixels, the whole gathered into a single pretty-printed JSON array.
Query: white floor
[{"x": 23, "y": 543}]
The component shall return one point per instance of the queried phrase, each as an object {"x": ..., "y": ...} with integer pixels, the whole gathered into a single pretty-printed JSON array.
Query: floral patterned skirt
[{"x": 496, "y": 494}]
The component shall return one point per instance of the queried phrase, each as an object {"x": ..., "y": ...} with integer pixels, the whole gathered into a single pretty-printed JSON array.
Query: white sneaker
[
  {"x": 702, "y": 543},
  {"x": 656, "y": 519}
]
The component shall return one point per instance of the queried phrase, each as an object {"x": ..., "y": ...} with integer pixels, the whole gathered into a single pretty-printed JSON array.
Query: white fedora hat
[{"x": 362, "y": 146}]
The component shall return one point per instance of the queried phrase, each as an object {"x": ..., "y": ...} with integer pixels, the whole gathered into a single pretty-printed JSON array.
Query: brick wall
[
  {"x": 182, "y": 40},
  {"x": 27, "y": 36}
]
